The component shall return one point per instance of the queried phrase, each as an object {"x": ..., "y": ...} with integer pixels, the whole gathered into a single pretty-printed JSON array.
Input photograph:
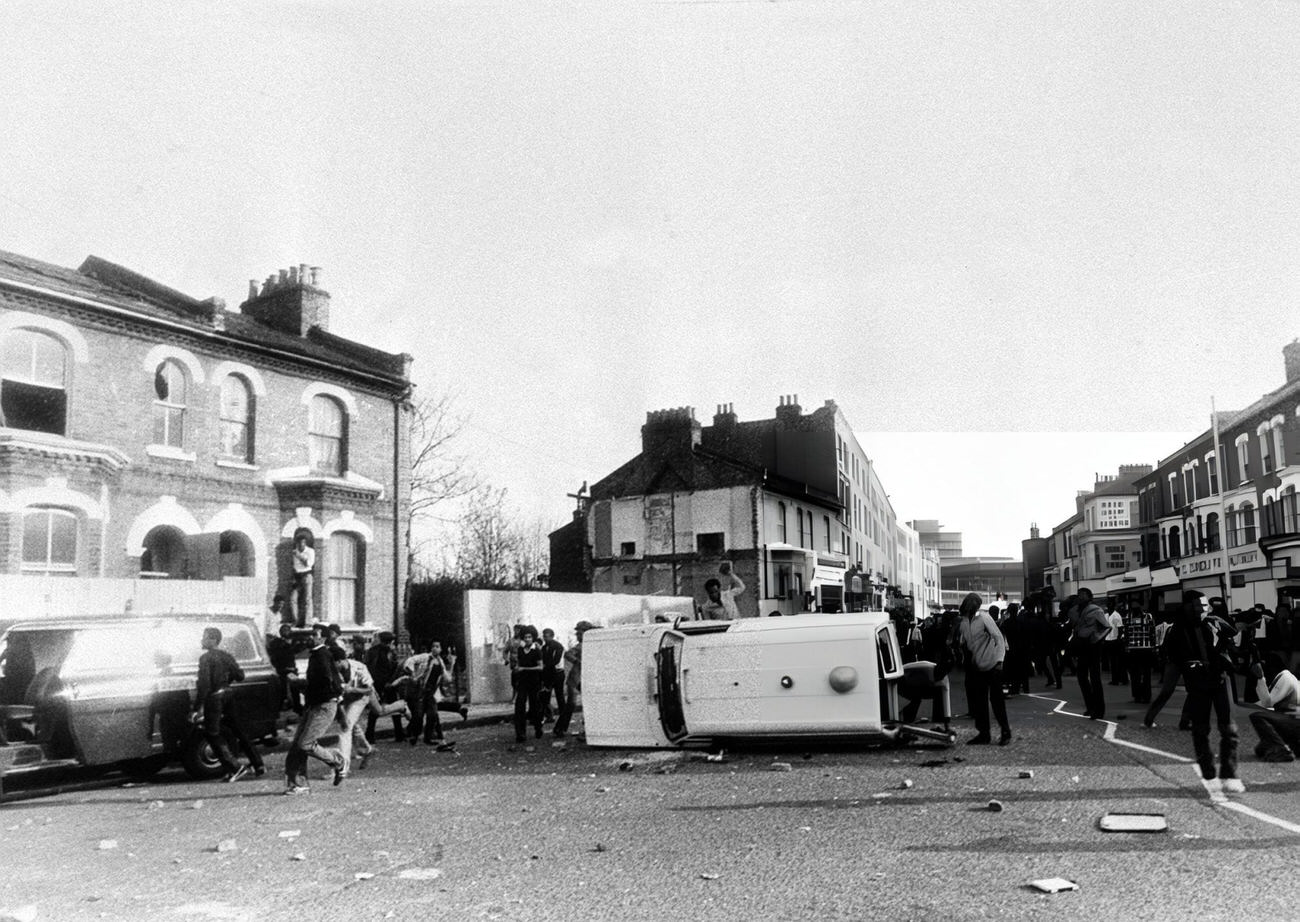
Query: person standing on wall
[{"x": 304, "y": 561}]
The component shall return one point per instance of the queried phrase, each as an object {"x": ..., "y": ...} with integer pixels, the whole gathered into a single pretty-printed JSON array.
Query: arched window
[
  {"x": 344, "y": 578},
  {"x": 780, "y": 522},
  {"x": 327, "y": 439},
  {"x": 1213, "y": 540},
  {"x": 169, "y": 405},
  {"x": 33, "y": 382},
  {"x": 50, "y": 542},
  {"x": 236, "y": 419},
  {"x": 1175, "y": 542}
]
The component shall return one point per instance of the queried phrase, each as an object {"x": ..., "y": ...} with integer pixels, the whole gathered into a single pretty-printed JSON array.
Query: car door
[{"x": 108, "y": 682}]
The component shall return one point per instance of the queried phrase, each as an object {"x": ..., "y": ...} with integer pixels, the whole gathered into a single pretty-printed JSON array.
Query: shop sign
[
  {"x": 1243, "y": 560},
  {"x": 1206, "y": 563}
]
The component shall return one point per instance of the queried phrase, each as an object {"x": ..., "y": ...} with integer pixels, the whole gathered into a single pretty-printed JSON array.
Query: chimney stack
[
  {"x": 1291, "y": 356},
  {"x": 789, "y": 408},
  {"x": 290, "y": 300},
  {"x": 669, "y": 429}
]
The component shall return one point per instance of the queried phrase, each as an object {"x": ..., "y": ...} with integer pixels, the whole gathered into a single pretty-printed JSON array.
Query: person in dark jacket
[
  {"x": 1199, "y": 643},
  {"x": 1090, "y": 630},
  {"x": 321, "y": 695},
  {"x": 283, "y": 661},
  {"x": 552, "y": 674},
  {"x": 528, "y": 687},
  {"x": 382, "y": 663},
  {"x": 216, "y": 706}
]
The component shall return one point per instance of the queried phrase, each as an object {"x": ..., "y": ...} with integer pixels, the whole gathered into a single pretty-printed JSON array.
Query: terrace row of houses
[
  {"x": 1218, "y": 514},
  {"x": 160, "y": 452},
  {"x": 792, "y": 501}
]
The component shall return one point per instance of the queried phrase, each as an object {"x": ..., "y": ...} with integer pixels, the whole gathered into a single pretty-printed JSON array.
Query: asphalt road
[{"x": 497, "y": 832}]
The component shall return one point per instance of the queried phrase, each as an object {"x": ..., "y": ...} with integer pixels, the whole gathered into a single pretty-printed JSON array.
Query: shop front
[{"x": 1250, "y": 579}]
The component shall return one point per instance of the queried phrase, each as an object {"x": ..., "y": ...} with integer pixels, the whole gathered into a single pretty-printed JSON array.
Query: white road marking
[{"x": 1213, "y": 787}]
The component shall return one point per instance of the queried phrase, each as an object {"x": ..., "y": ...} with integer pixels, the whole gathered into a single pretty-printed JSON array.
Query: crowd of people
[{"x": 1200, "y": 644}]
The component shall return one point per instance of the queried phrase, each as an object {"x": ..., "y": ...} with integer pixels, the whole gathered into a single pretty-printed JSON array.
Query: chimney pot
[
  {"x": 302, "y": 273},
  {"x": 293, "y": 275},
  {"x": 315, "y": 275},
  {"x": 252, "y": 289}
]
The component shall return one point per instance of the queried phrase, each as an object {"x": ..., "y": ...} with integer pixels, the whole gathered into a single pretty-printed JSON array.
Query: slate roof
[{"x": 107, "y": 283}]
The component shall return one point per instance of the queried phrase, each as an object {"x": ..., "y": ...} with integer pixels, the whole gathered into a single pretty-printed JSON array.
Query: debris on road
[
  {"x": 1053, "y": 884},
  {"x": 290, "y": 833},
  {"x": 197, "y": 805},
  {"x": 364, "y": 875},
  {"x": 995, "y": 806},
  {"x": 602, "y": 790},
  {"x": 226, "y": 845},
  {"x": 420, "y": 874},
  {"x": 906, "y": 784},
  {"x": 106, "y": 844},
  {"x": 1027, "y": 773},
  {"x": 1075, "y": 779},
  {"x": 600, "y": 848},
  {"x": 1134, "y": 822},
  {"x": 155, "y": 805},
  {"x": 299, "y": 857},
  {"x": 704, "y": 875},
  {"x": 625, "y": 766},
  {"x": 780, "y": 767}
]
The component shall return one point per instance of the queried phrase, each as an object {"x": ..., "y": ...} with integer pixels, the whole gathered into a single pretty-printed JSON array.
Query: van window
[
  {"x": 181, "y": 641},
  {"x": 888, "y": 664}
]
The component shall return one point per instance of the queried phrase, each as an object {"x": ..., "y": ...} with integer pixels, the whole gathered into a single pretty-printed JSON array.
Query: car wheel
[{"x": 200, "y": 762}]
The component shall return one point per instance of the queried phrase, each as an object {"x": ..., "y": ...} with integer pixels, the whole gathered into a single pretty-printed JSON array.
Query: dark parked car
[{"x": 120, "y": 690}]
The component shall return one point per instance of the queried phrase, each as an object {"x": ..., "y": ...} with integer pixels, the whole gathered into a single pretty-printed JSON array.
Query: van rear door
[{"x": 668, "y": 685}]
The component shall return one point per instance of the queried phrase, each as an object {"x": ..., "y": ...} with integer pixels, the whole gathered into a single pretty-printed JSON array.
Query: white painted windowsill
[
  {"x": 171, "y": 454},
  {"x": 237, "y": 465}
]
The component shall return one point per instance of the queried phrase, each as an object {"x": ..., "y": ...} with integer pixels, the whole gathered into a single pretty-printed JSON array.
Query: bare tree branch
[{"x": 438, "y": 472}]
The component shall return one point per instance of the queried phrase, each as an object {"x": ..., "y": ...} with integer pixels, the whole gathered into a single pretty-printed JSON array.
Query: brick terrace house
[
  {"x": 792, "y": 501},
  {"x": 158, "y": 451}
]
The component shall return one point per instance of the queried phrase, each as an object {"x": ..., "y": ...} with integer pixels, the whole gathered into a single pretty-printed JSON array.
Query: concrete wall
[{"x": 491, "y": 614}]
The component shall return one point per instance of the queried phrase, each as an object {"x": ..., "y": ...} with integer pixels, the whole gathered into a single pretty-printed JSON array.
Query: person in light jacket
[{"x": 986, "y": 650}]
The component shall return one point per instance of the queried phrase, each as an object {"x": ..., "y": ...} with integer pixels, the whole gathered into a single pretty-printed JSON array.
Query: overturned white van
[{"x": 822, "y": 675}]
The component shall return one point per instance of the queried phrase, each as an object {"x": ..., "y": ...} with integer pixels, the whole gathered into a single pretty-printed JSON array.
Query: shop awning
[{"x": 1165, "y": 576}]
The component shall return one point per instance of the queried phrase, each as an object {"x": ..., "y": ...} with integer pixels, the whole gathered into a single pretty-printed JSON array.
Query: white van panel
[
  {"x": 618, "y": 687},
  {"x": 732, "y": 682}
]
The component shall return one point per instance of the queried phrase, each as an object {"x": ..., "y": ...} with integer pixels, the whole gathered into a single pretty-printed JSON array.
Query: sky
[{"x": 968, "y": 224}]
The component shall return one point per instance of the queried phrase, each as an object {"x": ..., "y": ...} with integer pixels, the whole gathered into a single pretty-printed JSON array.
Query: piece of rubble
[
  {"x": 106, "y": 844},
  {"x": 420, "y": 874},
  {"x": 602, "y": 790},
  {"x": 226, "y": 845},
  {"x": 780, "y": 767},
  {"x": 995, "y": 806},
  {"x": 704, "y": 875},
  {"x": 155, "y": 805},
  {"x": 364, "y": 875},
  {"x": 1027, "y": 773},
  {"x": 625, "y": 766},
  {"x": 906, "y": 784},
  {"x": 1053, "y": 884},
  {"x": 197, "y": 805},
  {"x": 290, "y": 833},
  {"x": 299, "y": 857}
]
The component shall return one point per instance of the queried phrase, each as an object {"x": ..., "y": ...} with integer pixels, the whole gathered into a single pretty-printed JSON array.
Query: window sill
[
  {"x": 237, "y": 465},
  {"x": 170, "y": 453}
]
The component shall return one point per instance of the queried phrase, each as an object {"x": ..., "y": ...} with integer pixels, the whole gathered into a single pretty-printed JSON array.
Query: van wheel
[{"x": 200, "y": 762}]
